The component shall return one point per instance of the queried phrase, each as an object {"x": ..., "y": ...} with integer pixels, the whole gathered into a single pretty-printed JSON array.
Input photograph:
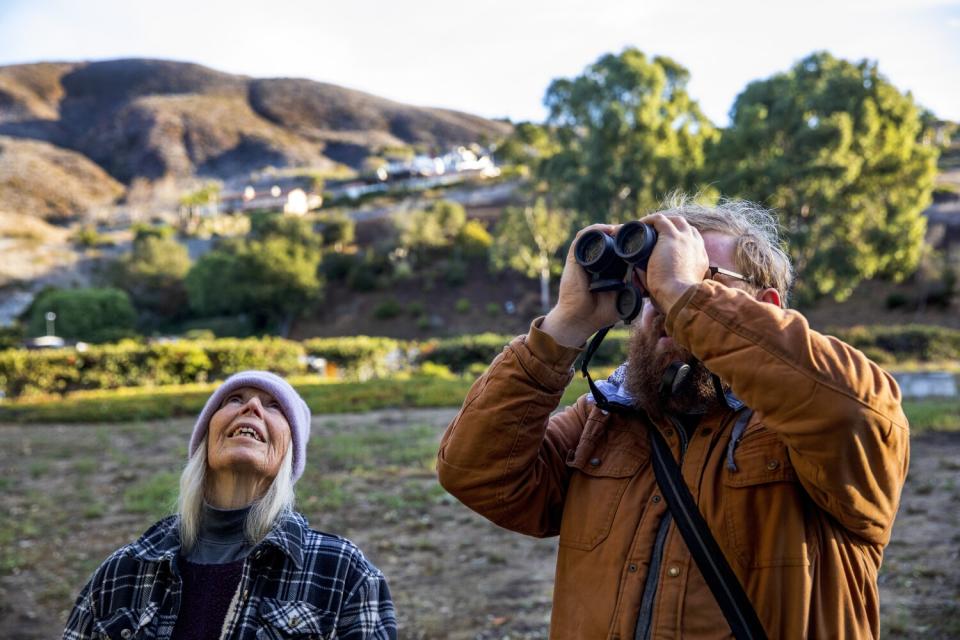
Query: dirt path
[{"x": 69, "y": 495}]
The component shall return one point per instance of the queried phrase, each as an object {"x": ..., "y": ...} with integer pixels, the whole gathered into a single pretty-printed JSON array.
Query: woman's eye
[
  {"x": 233, "y": 399},
  {"x": 275, "y": 406}
]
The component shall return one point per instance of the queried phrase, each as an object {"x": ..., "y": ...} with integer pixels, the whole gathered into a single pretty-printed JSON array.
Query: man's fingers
[{"x": 661, "y": 223}]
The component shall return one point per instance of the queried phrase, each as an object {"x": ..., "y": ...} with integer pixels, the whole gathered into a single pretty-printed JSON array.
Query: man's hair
[
  {"x": 263, "y": 514},
  {"x": 758, "y": 254}
]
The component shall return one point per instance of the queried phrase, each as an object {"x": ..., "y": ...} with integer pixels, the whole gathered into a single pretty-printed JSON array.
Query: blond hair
[{"x": 759, "y": 252}]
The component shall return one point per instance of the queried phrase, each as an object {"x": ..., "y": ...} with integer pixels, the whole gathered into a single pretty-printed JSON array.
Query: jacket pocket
[
  {"x": 128, "y": 624},
  {"x": 600, "y": 473},
  {"x": 291, "y": 619},
  {"x": 765, "y": 505}
]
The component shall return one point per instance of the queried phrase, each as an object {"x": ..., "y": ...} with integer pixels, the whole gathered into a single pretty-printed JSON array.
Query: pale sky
[{"x": 495, "y": 58}]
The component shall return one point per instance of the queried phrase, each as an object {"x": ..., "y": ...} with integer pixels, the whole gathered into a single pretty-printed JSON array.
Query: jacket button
[
  {"x": 632, "y": 568},
  {"x": 656, "y": 499},
  {"x": 594, "y": 462},
  {"x": 294, "y": 621},
  {"x": 773, "y": 464},
  {"x": 673, "y": 572},
  {"x": 126, "y": 634}
]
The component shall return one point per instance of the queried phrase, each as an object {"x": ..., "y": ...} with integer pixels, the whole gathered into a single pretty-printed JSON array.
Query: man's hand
[
  {"x": 679, "y": 260},
  {"x": 579, "y": 313}
]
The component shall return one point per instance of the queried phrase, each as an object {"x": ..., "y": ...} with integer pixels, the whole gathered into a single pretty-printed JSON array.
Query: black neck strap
[{"x": 598, "y": 397}]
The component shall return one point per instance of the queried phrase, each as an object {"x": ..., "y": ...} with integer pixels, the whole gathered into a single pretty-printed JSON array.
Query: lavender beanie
[{"x": 295, "y": 410}]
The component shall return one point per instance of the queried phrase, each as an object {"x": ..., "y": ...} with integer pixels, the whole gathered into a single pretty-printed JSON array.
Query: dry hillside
[{"x": 140, "y": 122}]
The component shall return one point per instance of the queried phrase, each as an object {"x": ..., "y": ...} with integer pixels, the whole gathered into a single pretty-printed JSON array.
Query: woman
[{"x": 237, "y": 561}]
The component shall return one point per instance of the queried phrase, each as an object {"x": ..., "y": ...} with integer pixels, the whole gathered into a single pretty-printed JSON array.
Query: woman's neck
[{"x": 226, "y": 490}]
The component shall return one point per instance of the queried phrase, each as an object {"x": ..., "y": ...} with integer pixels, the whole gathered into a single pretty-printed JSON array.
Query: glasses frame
[{"x": 714, "y": 270}]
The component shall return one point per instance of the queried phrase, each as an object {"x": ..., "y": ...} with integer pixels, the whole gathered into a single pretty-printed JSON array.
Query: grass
[
  {"x": 137, "y": 404},
  {"x": 155, "y": 496},
  {"x": 373, "y": 449},
  {"x": 933, "y": 415},
  {"x": 325, "y": 397}
]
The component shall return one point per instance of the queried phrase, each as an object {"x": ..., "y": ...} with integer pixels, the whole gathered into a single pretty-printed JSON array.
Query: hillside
[{"x": 142, "y": 122}]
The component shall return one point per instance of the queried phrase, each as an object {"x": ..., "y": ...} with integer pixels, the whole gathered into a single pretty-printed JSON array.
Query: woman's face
[{"x": 248, "y": 435}]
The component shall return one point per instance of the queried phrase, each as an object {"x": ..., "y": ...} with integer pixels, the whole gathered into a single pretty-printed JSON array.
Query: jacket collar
[{"x": 161, "y": 542}]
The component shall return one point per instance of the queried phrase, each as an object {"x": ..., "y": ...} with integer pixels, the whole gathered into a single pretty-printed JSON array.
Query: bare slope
[{"x": 151, "y": 120}]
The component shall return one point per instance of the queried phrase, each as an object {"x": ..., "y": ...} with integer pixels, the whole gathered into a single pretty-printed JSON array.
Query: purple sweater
[{"x": 210, "y": 572}]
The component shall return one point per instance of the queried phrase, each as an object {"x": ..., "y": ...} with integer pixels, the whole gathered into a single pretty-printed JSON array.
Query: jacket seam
[{"x": 501, "y": 496}]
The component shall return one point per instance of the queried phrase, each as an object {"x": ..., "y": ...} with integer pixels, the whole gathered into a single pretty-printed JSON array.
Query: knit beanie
[{"x": 294, "y": 409}]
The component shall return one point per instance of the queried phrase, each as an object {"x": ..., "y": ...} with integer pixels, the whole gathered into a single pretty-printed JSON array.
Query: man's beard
[{"x": 647, "y": 363}]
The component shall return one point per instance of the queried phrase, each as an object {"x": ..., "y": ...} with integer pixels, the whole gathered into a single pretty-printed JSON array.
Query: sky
[{"x": 496, "y": 58}]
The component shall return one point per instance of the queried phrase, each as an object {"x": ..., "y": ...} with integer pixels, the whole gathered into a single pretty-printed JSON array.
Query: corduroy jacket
[{"x": 802, "y": 504}]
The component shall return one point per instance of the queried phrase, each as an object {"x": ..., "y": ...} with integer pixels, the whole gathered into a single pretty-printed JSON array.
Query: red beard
[{"x": 649, "y": 357}]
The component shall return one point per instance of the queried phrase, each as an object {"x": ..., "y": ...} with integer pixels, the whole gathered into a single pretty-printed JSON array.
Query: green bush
[
  {"x": 415, "y": 309},
  {"x": 904, "y": 342},
  {"x": 130, "y": 364},
  {"x": 461, "y": 352},
  {"x": 454, "y": 272},
  {"x": 90, "y": 315},
  {"x": 358, "y": 356},
  {"x": 462, "y": 305},
  {"x": 387, "y": 309}
]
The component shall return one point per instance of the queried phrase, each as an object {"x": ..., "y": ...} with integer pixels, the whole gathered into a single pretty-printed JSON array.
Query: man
[{"x": 801, "y": 499}]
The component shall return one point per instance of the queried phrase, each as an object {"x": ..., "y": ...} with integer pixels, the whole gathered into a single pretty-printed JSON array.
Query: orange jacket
[{"x": 803, "y": 520}]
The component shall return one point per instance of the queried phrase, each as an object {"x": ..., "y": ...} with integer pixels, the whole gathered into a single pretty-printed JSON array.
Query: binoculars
[{"x": 609, "y": 259}]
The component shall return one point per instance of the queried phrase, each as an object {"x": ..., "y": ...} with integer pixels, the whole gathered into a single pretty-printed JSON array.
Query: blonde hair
[
  {"x": 264, "y": 513},
  {"x": 759, "y": 251}
]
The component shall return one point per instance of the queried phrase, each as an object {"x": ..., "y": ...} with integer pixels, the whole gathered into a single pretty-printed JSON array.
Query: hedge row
[
  {"x": 131, "y": 364},
  {"x": 913, "y": 342}
]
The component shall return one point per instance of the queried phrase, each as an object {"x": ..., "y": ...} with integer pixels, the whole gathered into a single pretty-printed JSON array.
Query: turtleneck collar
[{"x": 222, "y": 525}]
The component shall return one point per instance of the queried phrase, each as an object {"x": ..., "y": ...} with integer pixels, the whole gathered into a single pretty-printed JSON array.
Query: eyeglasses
[{"x": 730, "y": 274}]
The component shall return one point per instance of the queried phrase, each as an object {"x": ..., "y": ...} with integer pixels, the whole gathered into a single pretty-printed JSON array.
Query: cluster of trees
[
  {"x": 845, "y": 158},
  {"x": 260, "y": 282}
]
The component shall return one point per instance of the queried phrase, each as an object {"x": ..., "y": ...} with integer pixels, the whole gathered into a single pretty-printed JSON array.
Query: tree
[
  {"x": 269, "y": 280},
  {"x": 153, "y": 274},
  {"x": 90, "y": 315},
  {"x": 627, "y": 134},
  {"x": 528, "y": 145},
  {"x": 527, "y": 240},
  {"x": 839, "y": 152},
  {"x": 435, "y": 227}
]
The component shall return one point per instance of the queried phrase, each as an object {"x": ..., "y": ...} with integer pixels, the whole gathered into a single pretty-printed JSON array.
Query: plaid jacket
[{"x": 297, "y": 583}]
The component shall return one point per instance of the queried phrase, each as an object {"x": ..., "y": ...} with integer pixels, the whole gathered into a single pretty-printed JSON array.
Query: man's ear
[{"x": 770, "y": 295}]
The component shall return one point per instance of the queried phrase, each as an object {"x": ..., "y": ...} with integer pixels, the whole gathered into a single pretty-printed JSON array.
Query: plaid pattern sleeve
[{"x": 297, "y": 581}]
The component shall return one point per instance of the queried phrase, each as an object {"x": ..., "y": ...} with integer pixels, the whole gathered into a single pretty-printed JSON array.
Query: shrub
[
  {"x": 415, "y": 309},
  {"x": 493, "y": 309},
  {"x": 474, "y": 239},
  {"x": 905, "y": 342},
  {"x": 462, "y": 305},
  {"x": 90, "y": 315},
  {"x": 129, "y": 364},
  {"x": 387, "y": 309},
  {"x": 461, "y": 352},
  {"x": 359, "y": 356},
  {"x": 454, "y": 272},
  {"x": 897, "y": 300},
  {"x": 434, "y": 370},
  {"x": 336, "y": 266}
]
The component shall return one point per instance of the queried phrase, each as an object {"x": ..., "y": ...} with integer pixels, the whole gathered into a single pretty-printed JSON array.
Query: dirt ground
[{"x": 69, "y": 495}]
